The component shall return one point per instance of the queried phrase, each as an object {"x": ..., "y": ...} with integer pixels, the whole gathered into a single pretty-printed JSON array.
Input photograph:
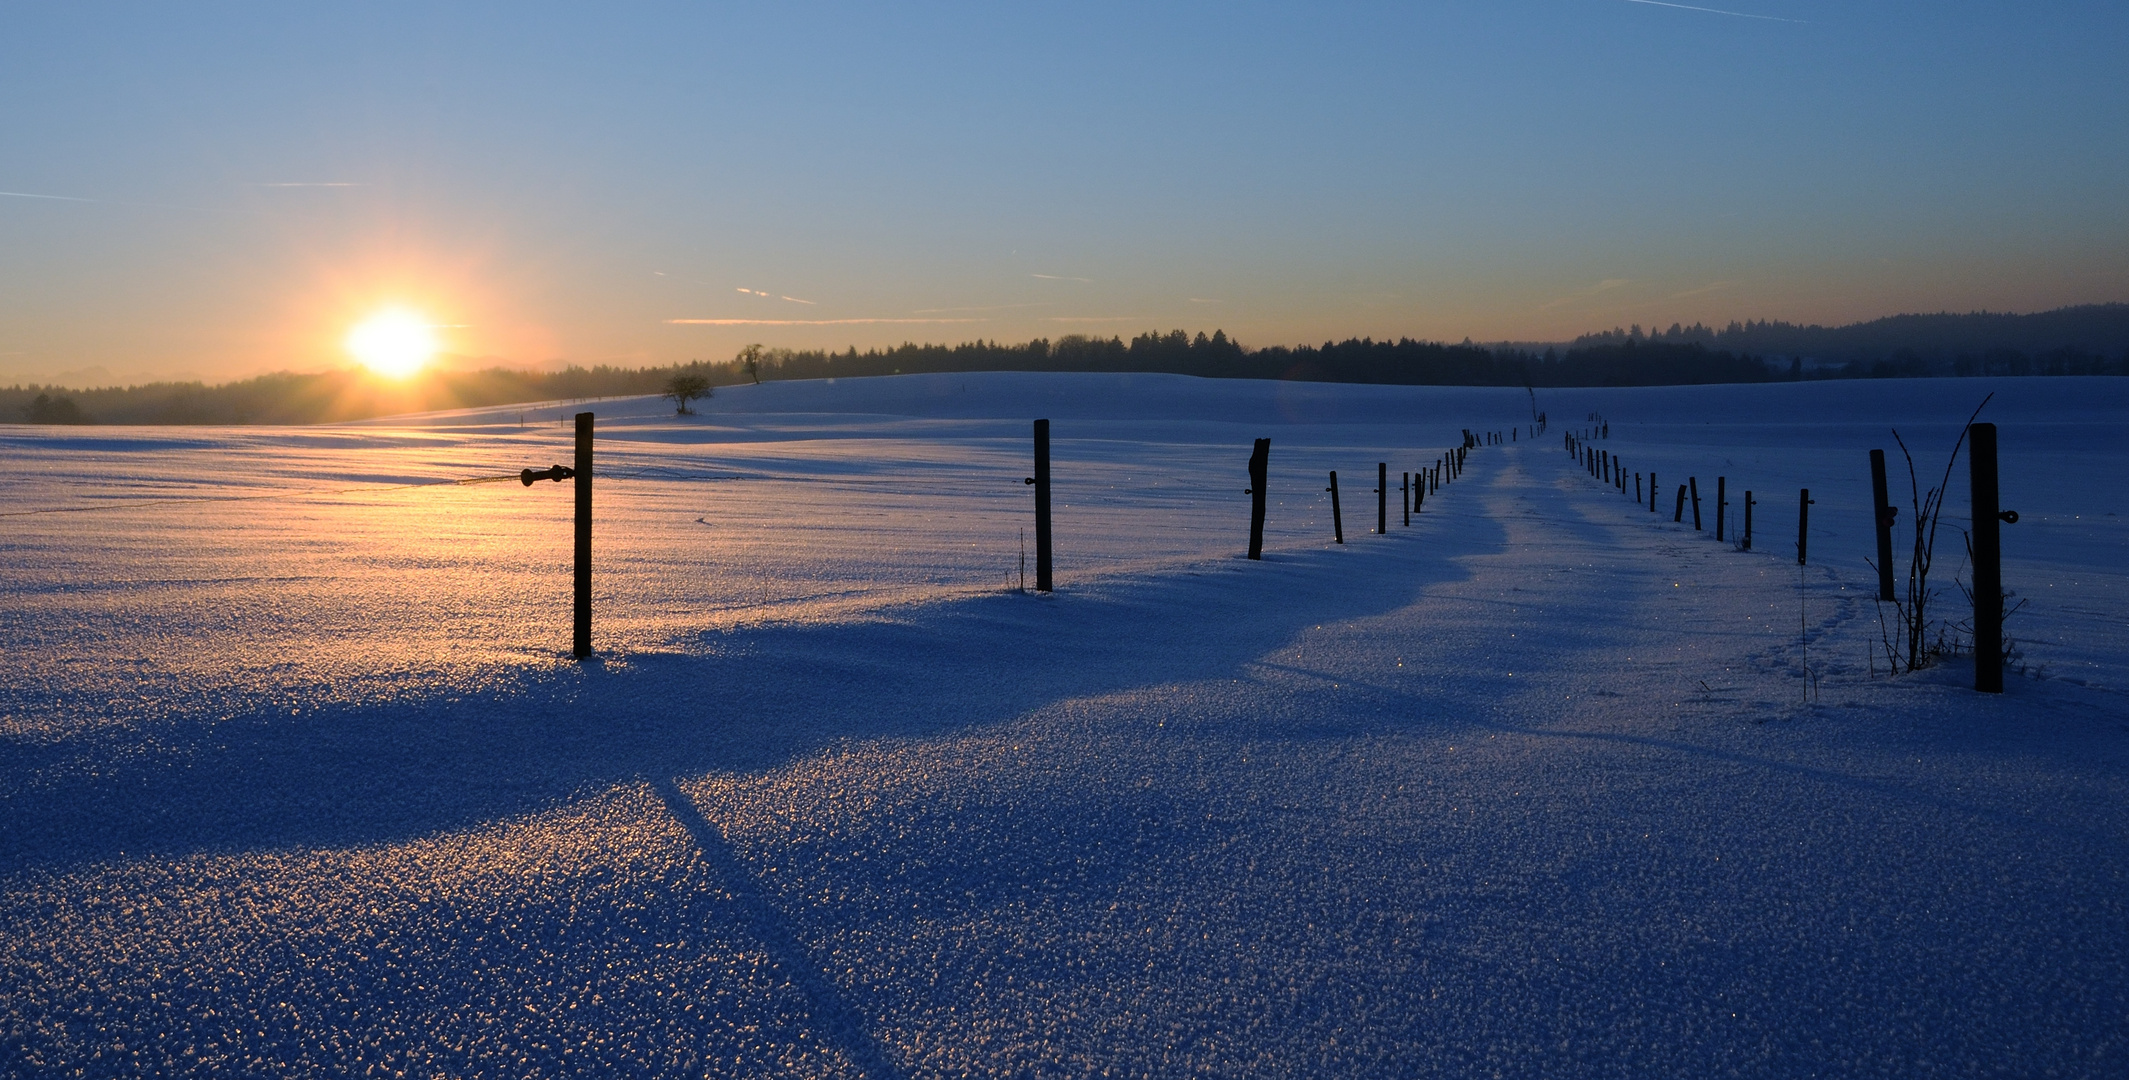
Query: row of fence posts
[
  {"x": 1446, "y": 468},
  {"x": 1986, "y": 535},
  {"x": 1412, "y": 489}
]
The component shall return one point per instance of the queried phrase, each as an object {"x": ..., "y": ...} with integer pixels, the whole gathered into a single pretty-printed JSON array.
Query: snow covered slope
[{"x": 295, "y": 776}]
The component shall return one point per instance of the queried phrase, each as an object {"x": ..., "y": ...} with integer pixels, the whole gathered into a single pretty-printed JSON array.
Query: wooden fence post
[
  {"x": 1259, "y": 476},
  {"x": 1382, "y": 498},
  {"x": 1337, "y": 518},
  {"x": 1694, "y": 481},
  {"x": 1748, "y": 519},
  {"x": 1803, "y": 525},
  {"x": 1988, "y": 558},
  {"x": 580, "y": 644},
  {"x": 1678, "y": 515},
  {"x": 1884, "y": 513},
  {"x": 1042, "y": 506},
  {"x": 1722, "y": 503}
]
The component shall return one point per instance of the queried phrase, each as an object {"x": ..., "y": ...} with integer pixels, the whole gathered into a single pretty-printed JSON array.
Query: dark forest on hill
[{"x": 2072, "y": 341}]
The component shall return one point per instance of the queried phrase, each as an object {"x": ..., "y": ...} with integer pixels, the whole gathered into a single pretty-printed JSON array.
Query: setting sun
[{"x": 395, "y": 342}]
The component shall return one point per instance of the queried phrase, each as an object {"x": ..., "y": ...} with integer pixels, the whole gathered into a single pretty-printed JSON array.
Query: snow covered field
[{"x": 296, "y": 776}]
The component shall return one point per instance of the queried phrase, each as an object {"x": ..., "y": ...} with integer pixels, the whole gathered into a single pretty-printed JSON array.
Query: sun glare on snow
[{"x": 395, "y": 342}]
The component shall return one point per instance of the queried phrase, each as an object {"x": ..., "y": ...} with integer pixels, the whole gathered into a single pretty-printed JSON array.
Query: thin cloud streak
[
  {"x": 987, "y": 307},
  {"x": 811, "y": 322},
  {"x": 1713, "y": 286},
  {"x": 796, "y": 300},
  {"x": 1060, "y": 277},
  {"x": 1092, "y": 318},
  {"x": 143, "y": 205},
  {"x": 1604, "y": 286},
  {"x": 1715, "y": 11},
  {"x": 307, "y": 183}
]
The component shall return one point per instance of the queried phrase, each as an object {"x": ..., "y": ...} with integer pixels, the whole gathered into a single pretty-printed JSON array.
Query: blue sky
[{"x": 241, "y": 182}]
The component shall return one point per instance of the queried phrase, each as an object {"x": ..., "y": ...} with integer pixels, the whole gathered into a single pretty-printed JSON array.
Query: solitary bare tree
[
  {"x": 750, "y": 362},
  {"x": 685, "y": 387}
]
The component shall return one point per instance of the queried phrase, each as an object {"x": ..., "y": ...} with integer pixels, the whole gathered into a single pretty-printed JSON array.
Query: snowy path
[{"x": 1528, "y": 789}]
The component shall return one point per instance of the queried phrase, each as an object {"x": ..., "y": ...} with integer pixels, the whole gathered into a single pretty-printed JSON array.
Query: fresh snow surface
[{"x": 296, "y": 777}]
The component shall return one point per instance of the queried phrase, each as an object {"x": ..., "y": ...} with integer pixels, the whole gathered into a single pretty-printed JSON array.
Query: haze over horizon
[{"x": 218, "y": 190}]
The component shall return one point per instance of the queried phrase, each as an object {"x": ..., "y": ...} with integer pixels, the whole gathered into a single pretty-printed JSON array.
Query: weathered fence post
[
  {"x": 1748, "y": 519},
  {"x": 1883, "y": 512},
  {"x": 1988, "y": 558},
  {"x": 1041, "y": 480},
  {"x": 581, "y": 643},
  {"x": 1382, "y": 498},
  {"x": 1803, "y": 525},
  {"x": 1652, "y": 489},
  {"x": 1694, "y": 482},
  {"x": 1337, "y": 519},
  {"x": 1678, "y": 515},
  {"x": 1722, "y": 503},
  {"x": 1404, "y": 495},
  {"x": 1259, "y": 476},
  {"x": 1637, "y": 487}
]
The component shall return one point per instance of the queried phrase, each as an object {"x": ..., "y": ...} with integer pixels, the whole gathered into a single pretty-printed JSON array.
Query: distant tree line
[
  {"x": 321, "y": 397},
  {"x": 1632, "y": 357},
  {"x": 2090, "y": 339}
]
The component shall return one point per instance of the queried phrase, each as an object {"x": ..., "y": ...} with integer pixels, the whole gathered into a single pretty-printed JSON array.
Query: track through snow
[{"x": 1531, "y": 788}]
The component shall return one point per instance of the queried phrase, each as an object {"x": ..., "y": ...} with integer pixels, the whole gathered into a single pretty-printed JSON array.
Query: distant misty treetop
[{"x": 1938, "y": 341}]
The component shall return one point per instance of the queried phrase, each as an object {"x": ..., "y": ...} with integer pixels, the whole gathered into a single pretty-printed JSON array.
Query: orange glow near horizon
[{"x": 394, "y": 342}]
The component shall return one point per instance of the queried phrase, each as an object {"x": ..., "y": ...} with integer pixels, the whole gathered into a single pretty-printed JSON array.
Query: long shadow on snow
[{"x": 445, "y": 757}]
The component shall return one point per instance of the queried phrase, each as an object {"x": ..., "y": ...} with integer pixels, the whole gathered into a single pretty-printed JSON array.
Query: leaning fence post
[
  {"x": 1419, "y": 490},
  {"x": 1382, "y": 498},
  {"x": 1988, "y": 558},
  {"x": 1694, "y": 481},
  {"x": 1041, "y": 480},
  {"x": 1259, "y": 475},
  {"x": 1722, "y": 503},
  {"x": 1678, "y": 515},
  {"x": 1337, "y": 519},
  {"x": 1884, "y": 513},
  {"x": 581, "y": 643}
]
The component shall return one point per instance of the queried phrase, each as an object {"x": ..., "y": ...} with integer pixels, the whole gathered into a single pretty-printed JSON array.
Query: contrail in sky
[
  {"x": 1713, "y": 11},
  {"x": 125, "y": 202}
]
